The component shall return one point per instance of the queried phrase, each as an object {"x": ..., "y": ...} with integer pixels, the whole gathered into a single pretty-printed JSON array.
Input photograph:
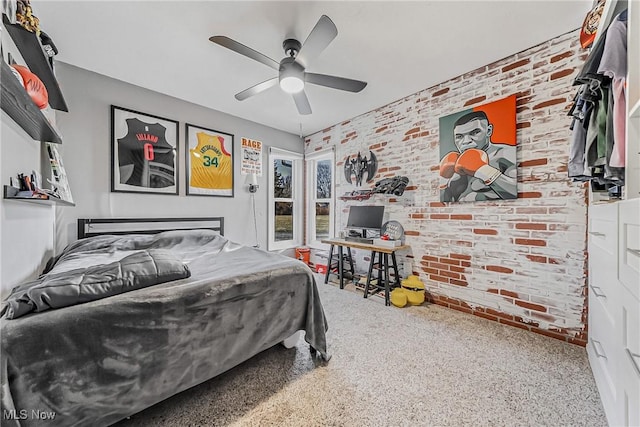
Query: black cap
[{"x": 48, "y": 45}]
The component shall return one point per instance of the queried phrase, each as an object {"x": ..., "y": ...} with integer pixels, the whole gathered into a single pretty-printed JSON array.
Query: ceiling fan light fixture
[
  {"x": 291, "y": 76},
  {"x": 291, "y": 84}
]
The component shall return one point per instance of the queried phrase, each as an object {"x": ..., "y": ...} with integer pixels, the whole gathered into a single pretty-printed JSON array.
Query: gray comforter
[
  {"x": 56, "y": 290},
  {"x": 97, "y": 362}
]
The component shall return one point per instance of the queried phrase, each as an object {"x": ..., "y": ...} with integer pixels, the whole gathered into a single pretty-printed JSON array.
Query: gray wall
[
  {"x": 26, "y": 229},
  {"x": 86, "y": 154}
]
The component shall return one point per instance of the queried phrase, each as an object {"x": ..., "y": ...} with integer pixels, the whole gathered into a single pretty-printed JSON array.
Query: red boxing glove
[
  {"x": 448, "y": 163},
  {"x": 474, "y": 162},
  {"x": 34, "y": 86}
]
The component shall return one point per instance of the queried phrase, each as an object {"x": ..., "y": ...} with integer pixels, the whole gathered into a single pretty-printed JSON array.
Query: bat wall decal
[{"x": 358, "y": 166}]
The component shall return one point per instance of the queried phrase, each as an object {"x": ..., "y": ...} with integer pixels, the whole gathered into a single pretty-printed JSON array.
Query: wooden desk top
[{"x": 365, "y": 246}]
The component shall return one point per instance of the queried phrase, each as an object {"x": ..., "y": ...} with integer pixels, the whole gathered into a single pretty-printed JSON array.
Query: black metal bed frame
[{"x": 85, "y": 225}]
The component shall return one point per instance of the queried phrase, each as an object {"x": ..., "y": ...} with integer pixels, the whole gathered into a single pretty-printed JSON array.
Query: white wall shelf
[
  {"x": 20, "y": 107},
  {"x": 31, "y": 50},
  {"x": 12, "y": 193}
]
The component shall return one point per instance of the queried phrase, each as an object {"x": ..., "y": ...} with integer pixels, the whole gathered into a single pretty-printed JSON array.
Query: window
[
  {"x": 320, "y": 196},
  {"x": 286, "y": 208}
]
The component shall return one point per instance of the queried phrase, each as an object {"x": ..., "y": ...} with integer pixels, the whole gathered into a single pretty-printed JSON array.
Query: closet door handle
[
  {"x": 596, "y": 293},
  {"x": 636, "y": 252},
  {"x": 633, "y": 358},
  {"x": 595, "y": 233},
  {"x": 597, "y": 347}
]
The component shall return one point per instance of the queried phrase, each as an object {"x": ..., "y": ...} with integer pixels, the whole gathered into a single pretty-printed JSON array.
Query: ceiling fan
[{"x": 292, "y": 76}]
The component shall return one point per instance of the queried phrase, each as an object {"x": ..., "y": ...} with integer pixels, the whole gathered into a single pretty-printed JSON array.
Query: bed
[{"x": 101, "y": 360}]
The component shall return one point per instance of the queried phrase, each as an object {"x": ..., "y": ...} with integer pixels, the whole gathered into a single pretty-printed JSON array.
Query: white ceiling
[{"x": 399, "y": 48}]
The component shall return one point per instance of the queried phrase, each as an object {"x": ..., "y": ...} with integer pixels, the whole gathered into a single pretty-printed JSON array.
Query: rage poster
[
  {"x": 478, "y": 153},
  {"x": 251, "y": 157}
]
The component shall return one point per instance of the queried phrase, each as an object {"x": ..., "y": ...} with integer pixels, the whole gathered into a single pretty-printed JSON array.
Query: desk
[{"x": 383, "y": 259}]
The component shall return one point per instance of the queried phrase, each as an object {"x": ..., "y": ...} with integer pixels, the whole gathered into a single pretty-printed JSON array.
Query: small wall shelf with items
[
  {"x": 12, "y": 193},
  {"x": 21, "y": 108},
  {"x": 30, "y": 93},
  {"x": 31, "y": 50}
]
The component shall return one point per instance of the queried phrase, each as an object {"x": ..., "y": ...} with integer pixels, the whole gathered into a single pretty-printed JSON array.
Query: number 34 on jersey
[{"x": 211, "y": 164}]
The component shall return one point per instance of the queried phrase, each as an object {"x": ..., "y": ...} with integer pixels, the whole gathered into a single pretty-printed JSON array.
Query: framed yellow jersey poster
[{"x": 209, "y": 162}]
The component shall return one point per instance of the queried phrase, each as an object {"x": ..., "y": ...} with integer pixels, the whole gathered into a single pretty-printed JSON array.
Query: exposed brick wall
[{"x": 519, "y": 262}]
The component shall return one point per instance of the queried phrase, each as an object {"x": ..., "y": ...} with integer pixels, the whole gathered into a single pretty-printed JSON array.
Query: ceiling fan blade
[
  {"x": 244, "y": 50},
  {"x": 302, "y": 102},
  {"x": 256, "y": 89},
  {"x": 319, "y": 38},
  {"x": 335, "y": 82}
]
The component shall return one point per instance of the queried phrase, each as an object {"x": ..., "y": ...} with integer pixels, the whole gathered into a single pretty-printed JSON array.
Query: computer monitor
[{"x": 365, "y": 218}]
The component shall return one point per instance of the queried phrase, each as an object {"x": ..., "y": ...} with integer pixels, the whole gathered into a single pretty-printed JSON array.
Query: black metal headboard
[{"x": 88, "y": 227}]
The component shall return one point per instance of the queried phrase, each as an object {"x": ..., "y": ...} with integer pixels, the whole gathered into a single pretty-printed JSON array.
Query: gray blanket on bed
[
  {"x": 135, "y": 271},
  {"x": 98, "y": 362}
]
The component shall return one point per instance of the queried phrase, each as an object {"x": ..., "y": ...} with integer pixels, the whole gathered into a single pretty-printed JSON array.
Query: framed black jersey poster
[
  {"x": 144, "y": 153},
  {"x": 209, "y": 162}
]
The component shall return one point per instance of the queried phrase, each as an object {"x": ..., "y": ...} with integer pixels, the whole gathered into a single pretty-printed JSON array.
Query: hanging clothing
[
  {"x": 589, "y": 70},
  {"x": 597, "y": 144},
  {"x": 613, "y": 64},
  {"x": 618, "y": 157},
  {"x": 584, "y": 130},
  {"x": 612, "y": 174},
  {"x": 577, "y": 167}
]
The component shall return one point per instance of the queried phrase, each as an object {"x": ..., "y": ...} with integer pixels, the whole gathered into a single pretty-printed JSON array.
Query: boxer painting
[{"x": 478, "y": 153}]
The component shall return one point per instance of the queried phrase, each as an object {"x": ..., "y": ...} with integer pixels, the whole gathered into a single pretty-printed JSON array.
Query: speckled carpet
[{"x": 416, "y": 366}]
